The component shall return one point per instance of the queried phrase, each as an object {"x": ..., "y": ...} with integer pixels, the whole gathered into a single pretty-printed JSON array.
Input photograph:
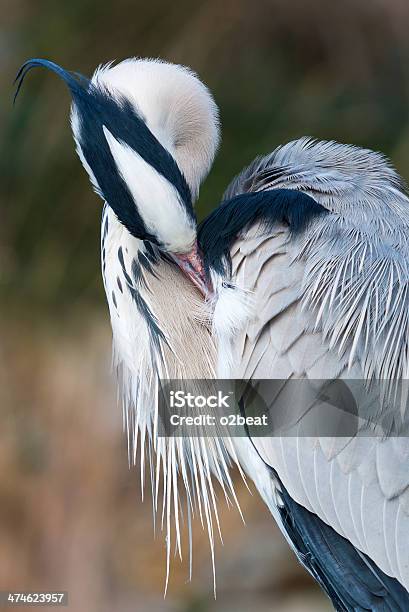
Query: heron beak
[{"x": 191, "y": 264}]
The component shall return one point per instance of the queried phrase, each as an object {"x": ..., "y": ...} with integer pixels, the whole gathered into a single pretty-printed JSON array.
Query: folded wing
[{"x": 332, "y": 302}]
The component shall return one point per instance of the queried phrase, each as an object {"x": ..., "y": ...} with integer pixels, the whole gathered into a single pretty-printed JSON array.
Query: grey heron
[{"x": 301, "y": 272}]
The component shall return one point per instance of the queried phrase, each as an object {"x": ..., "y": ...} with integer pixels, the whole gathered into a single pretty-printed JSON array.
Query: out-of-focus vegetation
[{"x": 70, "y": 517}]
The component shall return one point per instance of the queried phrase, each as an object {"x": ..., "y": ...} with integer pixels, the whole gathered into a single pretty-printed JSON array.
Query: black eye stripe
[{"x": 96, "y": 106}]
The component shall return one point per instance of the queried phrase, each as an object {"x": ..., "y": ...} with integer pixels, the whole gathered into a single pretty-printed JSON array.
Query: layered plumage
[
  {"x": 307, "y": 277},
  {"x": 332, "y": 303}
]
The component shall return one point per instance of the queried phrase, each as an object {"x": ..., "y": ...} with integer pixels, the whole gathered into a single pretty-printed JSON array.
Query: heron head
[{"x": 146, "y": 132}]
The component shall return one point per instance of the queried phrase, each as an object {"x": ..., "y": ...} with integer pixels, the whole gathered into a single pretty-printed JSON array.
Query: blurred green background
[{"x": 70, "y": 513}]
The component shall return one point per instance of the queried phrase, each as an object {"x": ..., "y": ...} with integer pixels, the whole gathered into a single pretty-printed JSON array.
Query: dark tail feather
[{"x": 75, "y": 82}]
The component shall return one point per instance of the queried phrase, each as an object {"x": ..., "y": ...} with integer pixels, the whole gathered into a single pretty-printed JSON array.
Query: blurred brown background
[{"x": 70, "y": 511}]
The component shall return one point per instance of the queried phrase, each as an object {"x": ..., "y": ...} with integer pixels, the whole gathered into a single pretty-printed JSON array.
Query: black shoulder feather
[{"x": 218, "y": 231}]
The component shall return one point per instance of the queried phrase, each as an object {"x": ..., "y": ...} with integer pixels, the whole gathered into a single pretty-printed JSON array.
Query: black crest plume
[{"x": 98, "y": 107}]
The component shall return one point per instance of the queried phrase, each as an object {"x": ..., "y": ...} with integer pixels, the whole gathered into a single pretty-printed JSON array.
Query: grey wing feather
[{"x": 334, "y": 303}]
